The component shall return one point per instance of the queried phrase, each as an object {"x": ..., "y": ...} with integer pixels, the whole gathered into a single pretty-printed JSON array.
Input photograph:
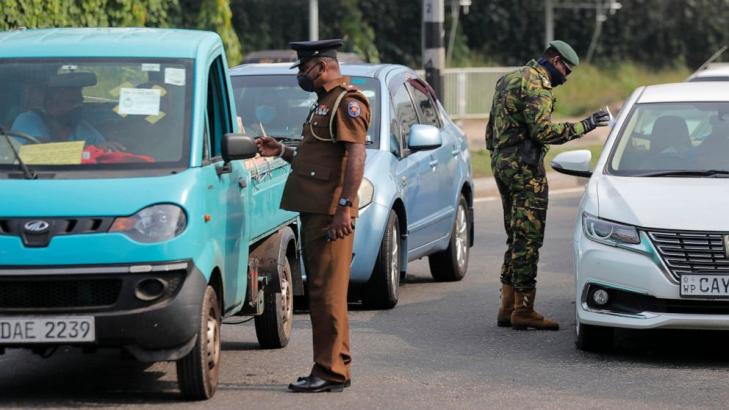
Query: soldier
[
  {"x": 517, "y": 134},
  {"x": 327, "y": 169}
]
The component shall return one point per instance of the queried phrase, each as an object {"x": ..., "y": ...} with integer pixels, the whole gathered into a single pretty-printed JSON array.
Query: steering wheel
[{"x": 18, "y": 134}]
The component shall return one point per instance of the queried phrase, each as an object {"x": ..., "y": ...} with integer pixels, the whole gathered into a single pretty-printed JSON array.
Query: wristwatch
[{"x": 344, "y": 202}]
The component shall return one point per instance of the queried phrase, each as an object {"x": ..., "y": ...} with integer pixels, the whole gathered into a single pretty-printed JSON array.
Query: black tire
[
  {"x": 594, "y": 338},
  {"x": 383, "y": 289},
  {"x": 273, "y": 327},
  {"x": 451, "y": 264},
  {"x": 197, "y": 373}
]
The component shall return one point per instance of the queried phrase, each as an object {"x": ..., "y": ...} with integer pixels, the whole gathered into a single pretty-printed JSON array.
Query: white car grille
[{"x": 692, "y": 252}]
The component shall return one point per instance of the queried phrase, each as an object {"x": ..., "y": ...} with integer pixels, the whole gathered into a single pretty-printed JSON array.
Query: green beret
[{"x": 565, "y": 51}]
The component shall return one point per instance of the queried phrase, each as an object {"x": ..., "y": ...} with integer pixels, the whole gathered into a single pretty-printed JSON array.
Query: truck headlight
[
  {"x": 608, "y": 232},
  {"x": 156, "y": 223},
  {"x": 365, "y": 193}
]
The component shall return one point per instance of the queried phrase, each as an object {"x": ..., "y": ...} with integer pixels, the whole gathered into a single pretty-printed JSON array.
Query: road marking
[{"x": 557, "y": 192}]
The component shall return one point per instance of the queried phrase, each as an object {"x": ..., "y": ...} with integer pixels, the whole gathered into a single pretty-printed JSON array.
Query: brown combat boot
[
  {"x": 525, "y": 317},
  {"x": 507, "y": 306}
]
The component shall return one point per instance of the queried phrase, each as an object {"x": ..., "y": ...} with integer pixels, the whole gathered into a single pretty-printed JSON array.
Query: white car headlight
[
  {"x": 156, "y": 223},
  {"x": 608, "y": 232},
  {"x": 365, "y": 193}
]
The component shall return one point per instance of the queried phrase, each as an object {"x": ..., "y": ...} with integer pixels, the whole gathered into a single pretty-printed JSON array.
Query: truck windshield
[
  {"x": 281, "y": 106},
  {"x": 95, "y": 114}
]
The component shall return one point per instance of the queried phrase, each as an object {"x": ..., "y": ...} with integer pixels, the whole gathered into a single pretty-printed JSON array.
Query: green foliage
[
  {"x": 590, "y": 87},
  {"x": 213, "y": 15}
]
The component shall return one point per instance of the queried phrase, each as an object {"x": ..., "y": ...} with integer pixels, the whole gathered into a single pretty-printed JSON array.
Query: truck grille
[
  {"x": 58, "y": 293},
  {"x": 692, "y": 252}
]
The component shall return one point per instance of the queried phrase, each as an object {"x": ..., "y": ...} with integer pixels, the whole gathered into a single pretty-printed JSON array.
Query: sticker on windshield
[
  {"x": 139, "y": 101},
  {"x": 54, "y": 153},
  {"x": 150, "y": 67},
  {"x": 175, "y": 76}
]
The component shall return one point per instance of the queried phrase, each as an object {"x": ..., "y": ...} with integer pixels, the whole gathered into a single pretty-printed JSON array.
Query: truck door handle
[
  {"x": 433, "y": 163},
  {"x": 456, "y": 151}
]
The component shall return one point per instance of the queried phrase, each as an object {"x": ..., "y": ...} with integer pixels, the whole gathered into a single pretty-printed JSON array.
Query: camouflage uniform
[{"x": 517, "y": 134}]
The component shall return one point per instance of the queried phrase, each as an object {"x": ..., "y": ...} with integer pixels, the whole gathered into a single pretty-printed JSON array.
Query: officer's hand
[
  {"x": 341, "y": 224},
  {"x": 599, "y": 118},
  {"x": 268, "y": 147}
]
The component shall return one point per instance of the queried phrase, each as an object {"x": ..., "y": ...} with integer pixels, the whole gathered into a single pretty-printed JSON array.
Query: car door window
[
  {"x": 427, "y": 112},
  {"x": 218, "y": 113},
  {"x": 404, "y": 112}
]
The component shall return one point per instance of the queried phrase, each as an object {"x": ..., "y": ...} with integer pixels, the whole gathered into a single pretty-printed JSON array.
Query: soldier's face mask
[
  {"x": 555, "y": 76},
  {"x": 305, "y": 82}
]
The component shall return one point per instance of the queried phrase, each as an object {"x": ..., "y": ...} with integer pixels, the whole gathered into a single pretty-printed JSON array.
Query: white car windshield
[
  {"x": 673, "y": 138},
  {"x": 85, "y": 114}
]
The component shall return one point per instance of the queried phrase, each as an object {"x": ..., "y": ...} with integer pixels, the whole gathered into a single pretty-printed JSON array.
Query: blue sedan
[{"x": 416, "y": 199}]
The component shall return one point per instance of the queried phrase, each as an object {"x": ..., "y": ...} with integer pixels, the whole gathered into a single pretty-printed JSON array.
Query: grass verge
[{"x": 481, "y": 160}]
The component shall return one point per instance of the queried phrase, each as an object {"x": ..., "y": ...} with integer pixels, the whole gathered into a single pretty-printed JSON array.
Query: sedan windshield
[
  {"x": 277, "y": 103},
  {"x": 85, "y": 114},
  {"x": 685, "y": 139}
]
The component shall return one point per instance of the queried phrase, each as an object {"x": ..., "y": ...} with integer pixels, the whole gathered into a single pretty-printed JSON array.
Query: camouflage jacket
[{"x": 522, "y": 108}]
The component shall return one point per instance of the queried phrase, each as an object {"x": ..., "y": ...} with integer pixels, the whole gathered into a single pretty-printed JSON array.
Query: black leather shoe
[{"x": 313, "y": 384}]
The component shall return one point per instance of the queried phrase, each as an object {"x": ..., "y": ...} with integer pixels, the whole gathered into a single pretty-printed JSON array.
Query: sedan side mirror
[
  {"x": 424, "y": 137},
  {"x": 238, "y": 146},
  {"x": 575, "y": 163}
]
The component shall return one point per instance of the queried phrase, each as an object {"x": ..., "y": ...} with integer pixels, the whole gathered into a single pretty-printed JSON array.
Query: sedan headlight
[
  {"x": 608, "y": 232},
  {"x": 156, "y": 223},
  {"x": 365, "y": 193}
]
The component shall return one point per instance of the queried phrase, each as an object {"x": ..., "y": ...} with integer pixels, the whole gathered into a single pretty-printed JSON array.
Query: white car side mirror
[{"x": 575, "y": 163}]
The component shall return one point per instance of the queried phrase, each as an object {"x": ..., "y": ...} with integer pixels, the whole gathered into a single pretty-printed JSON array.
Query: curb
[{"x": 486, "y": 187}]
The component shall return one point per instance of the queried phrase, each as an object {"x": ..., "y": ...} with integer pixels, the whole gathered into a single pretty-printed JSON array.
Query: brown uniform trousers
[
  {"x": 313, "y": 189},
  {"x": 327, "y": 264}
]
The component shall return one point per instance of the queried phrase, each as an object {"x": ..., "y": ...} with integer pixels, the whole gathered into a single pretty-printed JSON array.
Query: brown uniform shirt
[{"x": 317, "y": 176}]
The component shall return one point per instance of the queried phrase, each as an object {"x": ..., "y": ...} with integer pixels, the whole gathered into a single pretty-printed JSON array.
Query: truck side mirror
[{"x": 238, "y": 146}]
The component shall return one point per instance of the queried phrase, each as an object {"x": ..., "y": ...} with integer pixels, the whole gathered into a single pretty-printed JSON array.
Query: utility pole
[
  {"x": 549, "y": 22},
  {"x": 313, "y": 19},
  {"x": 433, "y": 44}
]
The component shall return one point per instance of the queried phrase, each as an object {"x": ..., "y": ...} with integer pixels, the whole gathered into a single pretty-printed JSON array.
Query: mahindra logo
[{"x": 36, "y": 226}]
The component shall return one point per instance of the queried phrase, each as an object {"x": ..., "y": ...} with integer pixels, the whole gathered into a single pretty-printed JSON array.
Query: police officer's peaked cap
[
  {"x": 565, "y": 51},
  {"x": 319, "y": 48}
]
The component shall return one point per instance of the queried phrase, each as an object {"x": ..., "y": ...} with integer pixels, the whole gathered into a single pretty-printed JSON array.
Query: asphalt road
[{"x": 439, "y": 348}]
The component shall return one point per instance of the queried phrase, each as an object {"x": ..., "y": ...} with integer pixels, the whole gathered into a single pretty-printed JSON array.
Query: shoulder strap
[{"x": 335, "y": 109}]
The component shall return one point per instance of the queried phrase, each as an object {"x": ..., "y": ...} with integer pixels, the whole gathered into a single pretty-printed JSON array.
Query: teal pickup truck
[{"x": 133, "y": 215}]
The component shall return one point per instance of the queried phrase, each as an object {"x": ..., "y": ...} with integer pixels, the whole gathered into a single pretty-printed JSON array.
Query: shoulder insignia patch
[{"x": 353, "y": 109}]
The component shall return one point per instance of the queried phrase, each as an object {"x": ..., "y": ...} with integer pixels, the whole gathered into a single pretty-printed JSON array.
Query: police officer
[
  {"x": 517, "y": 134},
  {"x": 327, "y": 168}
]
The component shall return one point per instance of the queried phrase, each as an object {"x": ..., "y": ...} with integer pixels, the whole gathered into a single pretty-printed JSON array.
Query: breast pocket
[{"x": 313, "y": 171}]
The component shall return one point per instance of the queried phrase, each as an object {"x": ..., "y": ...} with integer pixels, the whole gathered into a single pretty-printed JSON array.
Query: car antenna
[
  {"x": 712, "y": 58},
  {"x": 27, "y": 172}
]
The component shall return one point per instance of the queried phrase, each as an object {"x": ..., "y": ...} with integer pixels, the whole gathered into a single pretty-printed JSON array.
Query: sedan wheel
[{"x": 383, "y": 289}]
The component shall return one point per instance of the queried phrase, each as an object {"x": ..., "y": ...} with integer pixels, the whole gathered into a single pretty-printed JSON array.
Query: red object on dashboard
[{"x": 95, "y": 155}]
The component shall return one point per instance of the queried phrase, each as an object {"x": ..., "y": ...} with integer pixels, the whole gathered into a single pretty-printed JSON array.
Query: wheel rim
[
  {"x": 287, "y": 299},
  {"x": 461, "y": 238},
  {"x": 395, "y": 261},
  {"x": 213, "y": 339}
]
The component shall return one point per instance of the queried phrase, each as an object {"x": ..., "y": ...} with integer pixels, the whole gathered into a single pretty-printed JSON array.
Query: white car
[
  {"x": 713, "y": 72},
  {"x": 651, "y": 244}
]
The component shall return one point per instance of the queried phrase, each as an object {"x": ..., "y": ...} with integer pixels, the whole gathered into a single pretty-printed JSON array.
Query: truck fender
[{"x": 270, "y": 256}]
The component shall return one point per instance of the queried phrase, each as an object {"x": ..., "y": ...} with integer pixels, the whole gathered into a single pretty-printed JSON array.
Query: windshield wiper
[
  {"x": 687, "y": 173},
  {"x": 27, "y": 172}
]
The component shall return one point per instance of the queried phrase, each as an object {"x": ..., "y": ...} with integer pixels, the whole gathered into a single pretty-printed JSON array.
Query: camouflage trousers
[{"x": 524, "y": 197}]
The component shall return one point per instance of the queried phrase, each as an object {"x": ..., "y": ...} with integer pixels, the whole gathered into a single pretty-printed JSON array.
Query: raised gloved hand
[{"x": 597, "y": 119}]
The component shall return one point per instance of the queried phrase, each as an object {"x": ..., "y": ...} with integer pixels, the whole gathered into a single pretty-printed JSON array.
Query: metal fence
[{"x": 469, "y": 91}]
